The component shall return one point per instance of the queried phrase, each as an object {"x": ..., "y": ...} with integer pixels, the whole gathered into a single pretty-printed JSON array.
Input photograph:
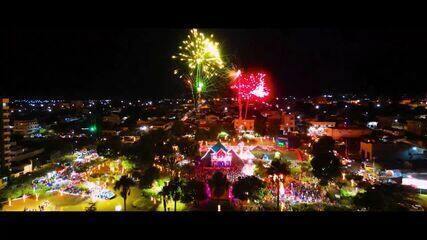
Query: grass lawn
[
  {"x": 170, "y": 205},
  {"x": 289, "y": 155},
  {"x": 284, "y": 154},
  {"x": 58, "y": 203},
  {"x": 138, "y": 200},
  {"x": 423, "y": 202},
  {"x": 23, "y": 185},
  {"x": 134, "y": 202}
]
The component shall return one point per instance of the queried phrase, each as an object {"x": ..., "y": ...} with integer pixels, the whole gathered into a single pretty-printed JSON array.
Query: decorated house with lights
[{"x": 220, "y": 158}]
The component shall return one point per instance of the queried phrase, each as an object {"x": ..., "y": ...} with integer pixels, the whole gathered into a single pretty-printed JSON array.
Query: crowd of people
[
  {"x": 298, "y": 192},
  {"x": 68, "y": 181}
]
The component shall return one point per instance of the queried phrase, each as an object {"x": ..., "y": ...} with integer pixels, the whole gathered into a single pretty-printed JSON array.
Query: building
[
  {"x": 338, "y": 133},
  {"x": 244, "y": 125},
  {"x": 110, "y": 132},
  {"x": 405, "y": 101},
  {"x": 212, "y": 119},
  {"x": 208, "y": 121},
  {"x": 154, "y": 124},
  {"x": 130, "y": 139},
  {"x": 26, "y": 128},
  {"x": 320, "y": 100},
  {"x": 385, "y": 121},
  {"x": 23, "y": 159},
  {"x": 392, "y": 153},
  {"x": 19, "y": 153},
  {"x": 4, "y": 134},
  {"x": 417, "y": 127},
  {"x": 287, "y": 123},
  {"x": 322, "y": 124},
  {"x": 218, "y": 156},
  {"x": 317, "y": 128},
  {"x": 21, "y": 168},
  {"x": 77, "y": 104},
  {"x": 112, "y": 119},
  {"x": 271, "y": 115}
]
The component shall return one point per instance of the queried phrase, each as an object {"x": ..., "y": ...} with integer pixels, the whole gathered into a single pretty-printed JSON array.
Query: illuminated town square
[{"x": 229, "y": 138}]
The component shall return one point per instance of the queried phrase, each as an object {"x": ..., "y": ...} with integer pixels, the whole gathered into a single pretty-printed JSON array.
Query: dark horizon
[{"x": 75, "y": 63}]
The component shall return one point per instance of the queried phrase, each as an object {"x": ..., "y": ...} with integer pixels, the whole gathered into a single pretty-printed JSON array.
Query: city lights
[{"x": 246, "y": 121}]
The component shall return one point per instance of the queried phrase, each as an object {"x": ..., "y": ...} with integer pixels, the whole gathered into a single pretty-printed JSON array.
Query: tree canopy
[
  {"x": 326, "y": 165},
  {"x": 218, "y": 184},
  {"x": 249, "y": 187},
  {"x": 387, "y": 197},
  {"x": 278, "y": 167},
  {"x": 149, "y": 176},
  {"x": 194, "y": 191}
]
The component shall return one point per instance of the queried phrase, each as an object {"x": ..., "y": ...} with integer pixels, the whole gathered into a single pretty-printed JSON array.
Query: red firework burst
[{"x": 250, "y": 87}]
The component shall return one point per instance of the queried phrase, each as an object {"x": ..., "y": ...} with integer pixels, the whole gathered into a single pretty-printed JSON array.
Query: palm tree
[
  {"x": 170, "y": 162},
  {"x": 165, "y": 192},
  {"x": 124, "y": 184},
  {"x": 278, "y": 167},
  {"x": 175, "y": 190}
]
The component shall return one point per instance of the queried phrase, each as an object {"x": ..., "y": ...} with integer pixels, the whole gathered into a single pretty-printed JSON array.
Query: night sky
[{"x": 136, "y": 63}]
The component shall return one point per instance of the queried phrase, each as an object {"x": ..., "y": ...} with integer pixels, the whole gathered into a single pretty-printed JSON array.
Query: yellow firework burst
[{"x": 200, "y": 53}]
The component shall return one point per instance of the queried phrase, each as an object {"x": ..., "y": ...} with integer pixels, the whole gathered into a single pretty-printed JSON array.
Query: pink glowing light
[
  {"x": 260, "y": 91},
  {"x": 251, "y": 86},
  {"x": 415, "y": 182},
  {"x": 230, "y": 193}
]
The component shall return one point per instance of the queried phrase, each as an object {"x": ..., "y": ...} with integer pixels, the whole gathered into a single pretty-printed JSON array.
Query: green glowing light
[
  {"x": 222, "y": 135},
  {"x": 92, "y": 128},
  {"x": 200, "y": 87}
]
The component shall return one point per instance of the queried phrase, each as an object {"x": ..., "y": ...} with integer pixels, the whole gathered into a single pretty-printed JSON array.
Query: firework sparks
[
  {"x": 249, "y": 87},
  {"x": 260, "y": 91},
  {"x": 202, "y": 58},
  {"x": 201, "y": 54}
]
